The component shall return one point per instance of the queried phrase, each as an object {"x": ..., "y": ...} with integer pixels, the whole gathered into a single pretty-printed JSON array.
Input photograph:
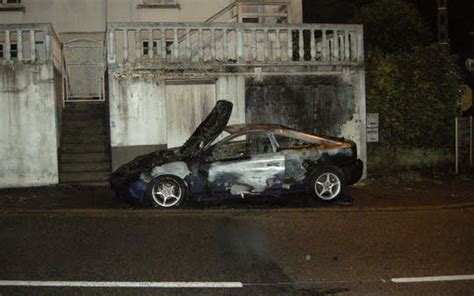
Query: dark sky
[{"x": 460, "y": 12}]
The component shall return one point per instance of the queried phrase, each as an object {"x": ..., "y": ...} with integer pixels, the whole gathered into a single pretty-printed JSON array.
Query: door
[
  {"x": 85, "y": 65},
  {"x": 187, "y": 104},
  {"x": 244, "y": 165}
]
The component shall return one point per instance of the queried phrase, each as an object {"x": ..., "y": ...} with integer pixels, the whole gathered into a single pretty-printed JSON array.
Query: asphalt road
[{"x": 262, "y": 252}]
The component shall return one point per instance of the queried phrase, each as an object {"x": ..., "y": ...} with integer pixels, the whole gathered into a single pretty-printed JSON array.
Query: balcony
[
  {"x": 197, "y": 45},
  {"x": 30, "y": 43}
]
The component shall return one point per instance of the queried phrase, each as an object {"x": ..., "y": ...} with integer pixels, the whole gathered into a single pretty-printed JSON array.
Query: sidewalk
[{"x": 369, "y": 194}]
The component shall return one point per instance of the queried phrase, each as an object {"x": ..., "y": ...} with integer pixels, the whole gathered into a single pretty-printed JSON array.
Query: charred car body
[{"x": 263, "y": 160}]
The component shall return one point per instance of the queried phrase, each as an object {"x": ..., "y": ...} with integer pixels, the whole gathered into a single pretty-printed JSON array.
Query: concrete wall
[
  {"x": 73, "y": 19},
  {"x": 322, "y": 104},
  {"x": 331, "y": 105},
  {"x": 65, "y": 15},
  {"x": 140, "y": 116},
  {"x": 188, "y": 11},
  {"x": 28, "y": 149}
]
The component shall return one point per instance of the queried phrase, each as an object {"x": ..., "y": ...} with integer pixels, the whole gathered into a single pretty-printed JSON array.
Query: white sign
[
  {"x": 470, "y": 65},
  {"x": 372, "y": 127}
]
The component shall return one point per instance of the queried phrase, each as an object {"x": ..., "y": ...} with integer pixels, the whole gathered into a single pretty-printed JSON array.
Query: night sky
[{"x": 461, "y": 18}]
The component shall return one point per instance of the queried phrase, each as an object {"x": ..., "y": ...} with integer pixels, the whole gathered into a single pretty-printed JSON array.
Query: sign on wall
[{"x": 372, "y": 127}]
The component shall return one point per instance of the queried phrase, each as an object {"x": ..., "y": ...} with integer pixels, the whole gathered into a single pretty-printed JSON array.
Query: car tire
[
  {"x": 166, "y": 191},
  {"x": 326, "y": 184}
]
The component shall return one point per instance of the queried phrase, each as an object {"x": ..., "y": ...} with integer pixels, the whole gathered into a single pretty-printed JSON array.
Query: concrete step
[
  {"x": 83, "y": 177},
  {"x": 85, "y": 157},
  {"x": 90, "y": 123},
  {"x": 96, "y": 130},
  {"x": 67, "y": 167},
  {"x": 84, "y": 148},
  {"x": 85, "y": 106},
  {"x": 70, "y": 138},
  {"x": 85, "y": 116}
]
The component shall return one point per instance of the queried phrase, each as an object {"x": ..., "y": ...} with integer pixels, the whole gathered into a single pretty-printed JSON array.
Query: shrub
[
  {"x": 391, "y": 26},
  {"x": 417, "y": 95}
]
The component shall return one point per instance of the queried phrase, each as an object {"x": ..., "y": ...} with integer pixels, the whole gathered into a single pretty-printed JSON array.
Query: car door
[{"x": 245, "y": 165}]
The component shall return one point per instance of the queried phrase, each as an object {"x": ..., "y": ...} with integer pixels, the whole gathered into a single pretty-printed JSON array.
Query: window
[
  {"x": 13, "y": 51},
  {"x": 238, "y": 146},
  {"x": 250, "y": 20},
  {"x": 146, "y": 47},
  {"x": 11, "y": 5},
  {"x": 169, "y": 45},
  {"x": 285, "y": 142},
  {"x": 158, "y": 4},
  {"x": 263, "y": 13}
]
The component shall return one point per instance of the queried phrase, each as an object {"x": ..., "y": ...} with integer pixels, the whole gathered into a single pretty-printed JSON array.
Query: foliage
[
  {"x": 392, "y": 25},
  {"x": 413, "y": 85},
  {"x": 416, "y": 94}
]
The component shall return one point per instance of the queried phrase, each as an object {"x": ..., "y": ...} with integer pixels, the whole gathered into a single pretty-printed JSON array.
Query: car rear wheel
[
  {"x": 326, "y": 183},
  {"x": 166, "y": 191}
]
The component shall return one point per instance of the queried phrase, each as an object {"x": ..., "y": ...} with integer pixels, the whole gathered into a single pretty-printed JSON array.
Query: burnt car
[{"x": 220, "y": 161}]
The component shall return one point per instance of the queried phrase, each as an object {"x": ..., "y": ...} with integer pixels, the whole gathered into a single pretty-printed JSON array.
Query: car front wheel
[
  {"x": 166, "y": 191},
  {"x": 326, "y": 183}
]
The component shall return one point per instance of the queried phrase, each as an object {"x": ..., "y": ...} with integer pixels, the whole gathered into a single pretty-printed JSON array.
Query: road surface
[{"x": 239, "y": 251}]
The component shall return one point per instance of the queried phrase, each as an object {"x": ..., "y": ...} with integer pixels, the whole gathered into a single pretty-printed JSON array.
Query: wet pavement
[
  {"x": 292, "y": 252},
  {"x": 84, "y": 236}
]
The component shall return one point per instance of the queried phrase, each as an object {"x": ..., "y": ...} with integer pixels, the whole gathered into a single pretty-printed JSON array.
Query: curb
[{"x": 221, "y": 212}]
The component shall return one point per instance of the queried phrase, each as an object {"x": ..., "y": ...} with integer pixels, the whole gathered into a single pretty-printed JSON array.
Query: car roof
[{"x": 239, "y": 128}]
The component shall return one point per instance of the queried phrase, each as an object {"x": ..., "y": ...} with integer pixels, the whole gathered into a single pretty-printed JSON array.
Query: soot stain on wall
[{"x": 315, "y": 104}]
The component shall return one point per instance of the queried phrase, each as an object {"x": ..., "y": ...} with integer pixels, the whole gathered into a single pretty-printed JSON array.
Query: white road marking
[
  {"x": 88, "y": 284},
  {"x": 442, "y": 278}
]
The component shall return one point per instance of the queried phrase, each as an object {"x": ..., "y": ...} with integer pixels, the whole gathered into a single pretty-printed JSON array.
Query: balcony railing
[
  {"x": 32, "y": 43},
  {"x": 194, "y": 44}
]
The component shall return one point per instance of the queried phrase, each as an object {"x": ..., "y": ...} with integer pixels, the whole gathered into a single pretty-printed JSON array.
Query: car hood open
[{"x": 208, "y": 130}]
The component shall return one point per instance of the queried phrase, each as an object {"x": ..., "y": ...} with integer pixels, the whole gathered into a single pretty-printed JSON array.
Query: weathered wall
[
  {"x": 141, "y": 110},
  {"x": 140, "y": 116},
  {"x": 188, "y": 11},
  {"x": 65, "y": 15},
  {"x": 324, "y": 105},
  {"x": 28, "y": 154}
]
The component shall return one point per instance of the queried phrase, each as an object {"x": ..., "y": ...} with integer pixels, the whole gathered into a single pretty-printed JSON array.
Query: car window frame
[
  {"x": 279, "y": 147},
  {"x": 229, "y": 138}
]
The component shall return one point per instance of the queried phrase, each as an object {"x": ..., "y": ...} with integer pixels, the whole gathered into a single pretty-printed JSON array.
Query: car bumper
[{"x": 353, "y": 172}]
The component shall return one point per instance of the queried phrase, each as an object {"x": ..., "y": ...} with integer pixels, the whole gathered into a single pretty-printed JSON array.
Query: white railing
[
  {"x": 31, "y": 43},
  {"x": 181, "y": 44}
]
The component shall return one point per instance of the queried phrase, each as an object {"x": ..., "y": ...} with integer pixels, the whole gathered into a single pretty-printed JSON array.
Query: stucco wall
[{"x": 28, "y": 154}]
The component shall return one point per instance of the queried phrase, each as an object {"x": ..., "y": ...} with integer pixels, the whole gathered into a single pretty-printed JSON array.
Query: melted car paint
[
  {"x": 248, "y": 176},
  {"x": 295, "y": 162},
  {"x": 176, "y": 168}
]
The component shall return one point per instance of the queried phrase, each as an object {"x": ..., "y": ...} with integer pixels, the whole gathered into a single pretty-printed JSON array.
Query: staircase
[{"x": 85, "y": 153}]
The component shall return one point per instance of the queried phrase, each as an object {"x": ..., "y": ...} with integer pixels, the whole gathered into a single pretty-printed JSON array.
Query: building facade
[{"x": 150, "y": 70}]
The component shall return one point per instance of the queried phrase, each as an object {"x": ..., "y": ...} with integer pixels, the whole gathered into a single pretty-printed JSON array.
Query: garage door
[{"x": 187, "y": 104}]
